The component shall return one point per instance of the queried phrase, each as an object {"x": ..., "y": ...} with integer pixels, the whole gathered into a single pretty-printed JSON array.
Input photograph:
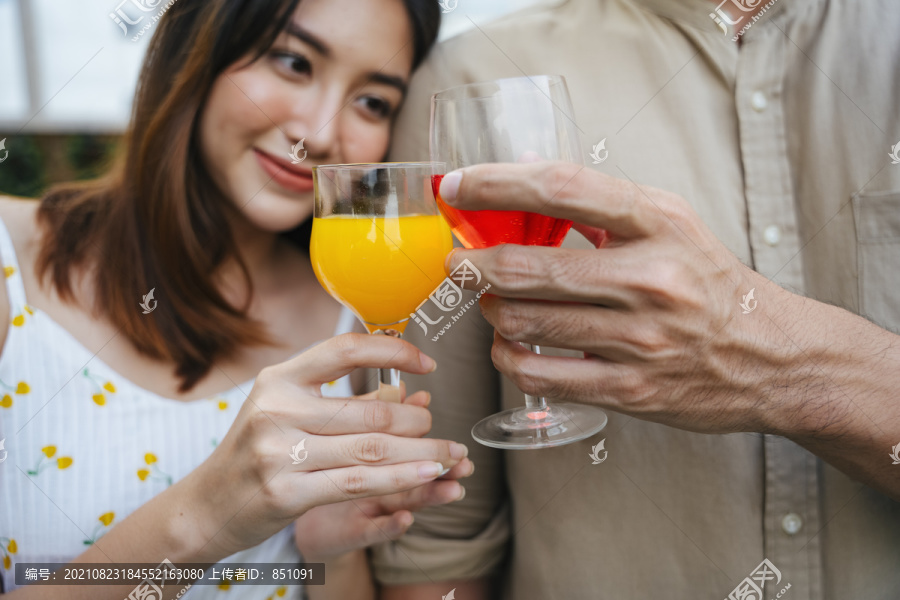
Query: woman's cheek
[{"x": 367, "y": 142}]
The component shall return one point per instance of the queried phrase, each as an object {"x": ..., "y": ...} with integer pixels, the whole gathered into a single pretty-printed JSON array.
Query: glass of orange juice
[{"x": 378, "y": 244}]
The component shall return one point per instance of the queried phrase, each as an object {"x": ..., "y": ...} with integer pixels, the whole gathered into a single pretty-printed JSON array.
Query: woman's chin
[{"x": 275, "y": 213}]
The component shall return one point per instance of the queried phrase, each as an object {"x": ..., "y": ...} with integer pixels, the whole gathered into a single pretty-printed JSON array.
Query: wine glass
[
  {"x": 522, "y": 119},
  {"x": 378, "y": 244}
]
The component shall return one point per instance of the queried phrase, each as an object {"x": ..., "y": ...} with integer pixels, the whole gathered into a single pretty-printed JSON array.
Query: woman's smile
[{"x": 294, "y": 178}]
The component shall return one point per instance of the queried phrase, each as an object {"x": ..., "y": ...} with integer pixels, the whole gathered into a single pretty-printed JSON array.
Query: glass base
[{"x": 527, "y": 428}]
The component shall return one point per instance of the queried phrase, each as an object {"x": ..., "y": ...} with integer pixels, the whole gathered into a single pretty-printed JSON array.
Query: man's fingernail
[
  {"x": 450, "y": 186},
  {"x": 431, "y": 470},
  {"x": 427, "y": 363}
]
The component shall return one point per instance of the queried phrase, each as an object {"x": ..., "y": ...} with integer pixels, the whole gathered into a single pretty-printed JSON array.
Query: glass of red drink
[{"x": 523, "y": 119}]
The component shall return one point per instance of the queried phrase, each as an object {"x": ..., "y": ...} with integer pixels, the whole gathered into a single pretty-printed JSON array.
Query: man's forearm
[{"x": 840, "y": 396}]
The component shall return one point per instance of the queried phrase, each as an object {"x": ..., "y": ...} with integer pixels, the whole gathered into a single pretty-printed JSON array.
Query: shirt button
[
  {"x": 791, "y": 523},
  {"x": 772, "y": 235},
  {"x": 758, "y": 101}
]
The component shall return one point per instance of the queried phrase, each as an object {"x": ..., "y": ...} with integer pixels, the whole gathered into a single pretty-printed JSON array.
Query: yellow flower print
[
  {"x": 63, "y": 462},
  {"x": 9, "y": 270},
  {"x": 8, "y": 547},
  {"x": 279, "y": 593},
  {"x": 21, "y": 388},
  {"x": 225, "y": 586},
  {"x": 106, "y": 520},
  {"x": 223, "y": 405},
  {"x": 99, "y": 397},
  {"x": 152, "y": 470},
  {"x": 6, "y": 401},
  {"x": 19, "y": 319}
]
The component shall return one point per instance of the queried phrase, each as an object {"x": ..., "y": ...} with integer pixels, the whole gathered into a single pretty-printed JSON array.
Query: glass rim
[
  {"x": 380, "y": 165},
  {"x": 440, "y": 96}
]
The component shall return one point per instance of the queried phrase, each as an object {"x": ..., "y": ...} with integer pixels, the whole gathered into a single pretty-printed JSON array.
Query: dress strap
[{"x": 13, "y": 274}]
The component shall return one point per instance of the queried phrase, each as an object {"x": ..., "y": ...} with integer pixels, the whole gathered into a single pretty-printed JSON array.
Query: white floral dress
[{"x": 83, "y": 447}]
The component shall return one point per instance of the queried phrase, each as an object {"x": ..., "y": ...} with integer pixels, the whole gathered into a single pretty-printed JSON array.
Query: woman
[{"x": 137, "y": 303}]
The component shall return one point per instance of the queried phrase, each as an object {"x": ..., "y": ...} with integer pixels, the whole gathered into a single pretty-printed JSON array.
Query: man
[{"x": 742, "y": 428}]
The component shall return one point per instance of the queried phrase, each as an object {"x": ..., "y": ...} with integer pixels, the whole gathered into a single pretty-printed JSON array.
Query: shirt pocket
[{"x": 877, "y": 217}]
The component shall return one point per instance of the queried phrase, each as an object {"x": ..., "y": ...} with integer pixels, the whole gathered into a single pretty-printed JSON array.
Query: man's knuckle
[
  {"x": 512, "y": 269},
  {"x": 511, "y": 322}
]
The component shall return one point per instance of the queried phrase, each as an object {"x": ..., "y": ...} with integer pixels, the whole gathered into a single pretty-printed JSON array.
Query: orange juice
[{"x": 380, "y": 267}]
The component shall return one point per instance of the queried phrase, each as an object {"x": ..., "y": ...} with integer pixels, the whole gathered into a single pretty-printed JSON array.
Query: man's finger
[
  {"x": 561, "y": 274},
  {"x": 601, "y": 331},
  {"x": 587, "y": 380},
  {"x": 557, "y": 189}
]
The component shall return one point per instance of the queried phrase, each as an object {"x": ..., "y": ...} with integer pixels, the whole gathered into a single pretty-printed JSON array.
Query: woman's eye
[
  {"x": 294, "y": 63},
  {"x": 377, "y": 106}
]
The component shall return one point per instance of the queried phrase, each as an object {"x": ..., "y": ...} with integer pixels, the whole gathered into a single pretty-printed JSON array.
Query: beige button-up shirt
[{"x": 782, "y": 146}]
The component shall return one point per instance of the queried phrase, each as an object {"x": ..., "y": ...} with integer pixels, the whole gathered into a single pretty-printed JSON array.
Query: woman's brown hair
[{"x": 157, "y": 220}]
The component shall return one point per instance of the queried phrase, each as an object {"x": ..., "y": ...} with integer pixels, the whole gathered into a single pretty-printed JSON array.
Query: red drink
[{"x": 485, "y": 228}]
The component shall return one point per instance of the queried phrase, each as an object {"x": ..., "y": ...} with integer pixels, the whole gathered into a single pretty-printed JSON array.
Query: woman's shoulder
[{"x": 20, "y": 217}]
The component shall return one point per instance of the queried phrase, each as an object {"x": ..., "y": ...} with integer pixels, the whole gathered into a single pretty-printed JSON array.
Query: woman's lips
[{"x": 289, "y": 176}]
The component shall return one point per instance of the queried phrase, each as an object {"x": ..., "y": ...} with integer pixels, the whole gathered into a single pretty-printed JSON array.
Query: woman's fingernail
[
  {"x": 431, "y": 470},
  {"x": 444, "y": 472},
  {"x": 450, "y": 186},
  {"x": 462, "y": 493},
  {"x": 448, "y": 262},
  {"x": 427, "y": 363},
  {"x": 458, "y": 451}
]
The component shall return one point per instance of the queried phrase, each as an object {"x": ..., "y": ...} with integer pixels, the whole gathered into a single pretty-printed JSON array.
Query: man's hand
[{"x": 656, "y": 307}]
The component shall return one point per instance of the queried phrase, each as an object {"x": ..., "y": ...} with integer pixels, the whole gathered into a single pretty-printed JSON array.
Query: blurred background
[{"x": 67, "y": 77}]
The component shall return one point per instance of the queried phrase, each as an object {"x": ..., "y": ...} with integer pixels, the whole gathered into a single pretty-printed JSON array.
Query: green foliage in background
[
  {"x": 32, "y": 165},
  {"x": 23, "y": 173}
]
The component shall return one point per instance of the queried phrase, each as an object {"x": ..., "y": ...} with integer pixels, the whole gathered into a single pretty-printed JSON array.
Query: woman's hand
[
  {"x": 326, "y": 533},
  {"x": 251, "y": 488}
]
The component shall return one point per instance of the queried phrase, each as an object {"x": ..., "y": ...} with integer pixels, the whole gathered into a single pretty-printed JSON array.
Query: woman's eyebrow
[
  {"x": 295, "y": 30},
  {"x": 391, "y": 80}
]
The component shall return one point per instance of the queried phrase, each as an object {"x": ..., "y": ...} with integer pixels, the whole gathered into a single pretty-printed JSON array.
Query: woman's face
[{"x": 333, "y": 79}]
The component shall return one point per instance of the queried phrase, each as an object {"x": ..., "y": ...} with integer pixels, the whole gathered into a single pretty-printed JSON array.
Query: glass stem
[
  {"x": 537, "y": 403},
  {"x": 388, "y": 379}
]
